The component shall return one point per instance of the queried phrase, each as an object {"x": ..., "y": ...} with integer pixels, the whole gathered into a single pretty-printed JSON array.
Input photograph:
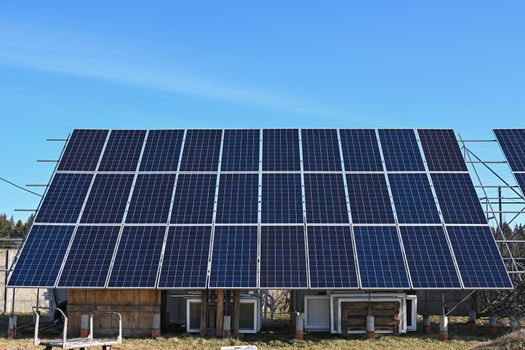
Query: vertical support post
[
  {"x": 226, "y": 333},
  {"x": 472, "y": 313},
  {"x": 292, "y": 308},
  {"x": 500, "y": 209},
  {"x": 204, "y": 312},
  {"x": 11, "y": 332},
  {"x": 236, "y": 311},
  {"x": 219, "y": 316},
  {"x": 493, "y": 324},
  {"x": 84, "y": 325},
  {"x": 370, "y": 327},
  {"x": 443, "y": 327},
  {"x": 299, "y": 327},
  {"x": 5, "y": 278},
  {"x": 155, "y": 329},
  {"x": 427, "y": 328}
]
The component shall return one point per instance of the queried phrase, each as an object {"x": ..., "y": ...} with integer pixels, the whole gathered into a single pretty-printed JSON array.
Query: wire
[{"x": 20, "y": 187}]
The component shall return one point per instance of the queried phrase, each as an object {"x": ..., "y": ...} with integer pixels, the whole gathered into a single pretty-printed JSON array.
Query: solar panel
[
  {"x": 458, "y": 199},
  {"x": 429, "y": 258},
  {"x": 83, "y": 150},
  {"x": 441, "y": 150},
  {"x": 41, "y": 256},
  {"x": 281, "y": 150},
  {"x": 283, "y": 257},
  {"x": 380, "y": 258},
  {"x": 238, "y": 199},
  {"x": 88, "y": 261},
  {"x": 478, "y": 258},
  {"x": 369, "y": 199},
  {"x": 162, "y": 150},
  {"x": 413, "y": 199},
  {"x": 512, "y": 142},
  {"x": 325, "y": 198},
  {"x": 151, "y": 199},
  {"x": 282, "y": 199},
  {"x": 521, "y": 181},
  {"x": 331, "y": 257},
  {"x": 234, "y": 259},
  {"x": 108, "y": 198},
  {"x": 400, "y": 150},
  {"x": 360, "y": 150},
  {"x": 122, "y": 151},
  {"x": 138, "y": 257},
  {"x": 186, "y": 257},
  {"x": 201, "y": 150},
  {"x": 320, "y": 150},
  {"x": 240, "y": 150},
  {"x": 64, "y": 198},
  {"x": 194, "y": 197}
]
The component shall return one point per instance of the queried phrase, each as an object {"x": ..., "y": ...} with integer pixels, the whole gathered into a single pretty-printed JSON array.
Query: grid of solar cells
[
  {"x": 201, "y": 150},
  {"x": 413, "y": 199},
  {"x": 83, "y": 150},
  {"x": 186, "y": 257},
  {"x": 281, "y": 150},
  {"x": 369, "y": 199},
  {"x": 325, "y": 198},
  {"x": 194, "y": 198},
  {"x": 320, "y": 150},
  {"x": 512, "y": 142},
  {"x": 108, "y": 198},
  {"x": 64, "y": 198},
  {"x": 41, "y": 257},
  {"x": 331, "y": 257},
  {"x": 138, "y": 256},
  {"x": 441, "y": 150},
  {"x": 478, "y": 258},
  {"x": 240, "y": 150},
  {"x": 521, "y": 181},
  {"x": 162, "y": 150},
  {"x": 282, "y": 199},
  {"x": 238, "y": 199},
  {"x": 151, "y": 199},
  {"x": 458, "y": 199},
  {"x": 283, "y": 257},
  {"x": 360, "y": 150},
  {"x": 380, "y": 258},
  {"x": 429, "y": 258},
  {"x": 122, "y": 151},
  {"x": 88, "y": 261},
  {"x": 400, "y": 150},
  {"x": 234, "y": 259}
]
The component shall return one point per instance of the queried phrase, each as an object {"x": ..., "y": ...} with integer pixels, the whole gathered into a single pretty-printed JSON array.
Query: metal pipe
[{"x": 47, "y": 161}]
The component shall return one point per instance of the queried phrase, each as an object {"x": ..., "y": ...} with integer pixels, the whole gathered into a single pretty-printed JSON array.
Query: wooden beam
[
  {"x": 204, "y": 312},
  {"x": 220, "y": 313},
  {"x": 236, "y": 312}
]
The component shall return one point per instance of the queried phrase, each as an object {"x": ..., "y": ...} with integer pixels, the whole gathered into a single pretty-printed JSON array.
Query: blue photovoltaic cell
[
  {"x": 458, "y": 199},
  {"x": 83, "y": 150},
  {"x": 331, "y": 257},
  {"x": 64, "y": 199},
  {"x": 400, "y": 150},
  {"x": 238, "y": 199},
  {"x": 122, "y": 151},
  {"x": 512, "y": 142},
  {"x": 162, "y": 150},
  {"x": 441, "y": 150},
  {"x": 325, "y": 198},
  {"x": 41, "y": 257},
  {"x": 185, "y": 261},
  {"x": 194, "y": 197},
  {"x": 369, "y": 199},
  {"x": 521, "y": 181},
  {"x": 240, "y": 150},
  {"x": 201, "y": 150},
  {"x": 380, "y": 258},
  {"x": 429, "y": 258},
  {"x": 151, "y": 199},
  {"x": 234, "y": 259},
  {"x": 413, "y": 199},
  {"x": 108, "y": 198},
  {"x": 281, "y": 150},
  {"x": 360, "y": 150},
  {"x": 283, "y": 257},
  {"x": 87, "y": 264},
  {"x": 320, "y": 150},
  {"x": 282, "y": 199},
  {"x": 478, "y": 258},
  {"x": 138, "y": 256}
]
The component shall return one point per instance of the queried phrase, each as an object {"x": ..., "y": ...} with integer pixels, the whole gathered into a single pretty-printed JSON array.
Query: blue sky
[{"x": 103, "y": 64}]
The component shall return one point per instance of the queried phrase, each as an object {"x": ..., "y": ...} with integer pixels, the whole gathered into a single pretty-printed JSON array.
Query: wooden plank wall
[
  {"x": 137, "y": 308},
  {"x": 386, "y": 316}
]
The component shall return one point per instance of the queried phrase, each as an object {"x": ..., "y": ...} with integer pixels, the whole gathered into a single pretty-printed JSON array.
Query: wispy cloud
[{"x": 33, "y": 48}]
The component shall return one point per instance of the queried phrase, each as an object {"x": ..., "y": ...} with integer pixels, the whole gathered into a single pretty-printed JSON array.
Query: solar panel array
[
  {"x": 250, "y": 208},
  {"x": 512, "y": 142}
]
